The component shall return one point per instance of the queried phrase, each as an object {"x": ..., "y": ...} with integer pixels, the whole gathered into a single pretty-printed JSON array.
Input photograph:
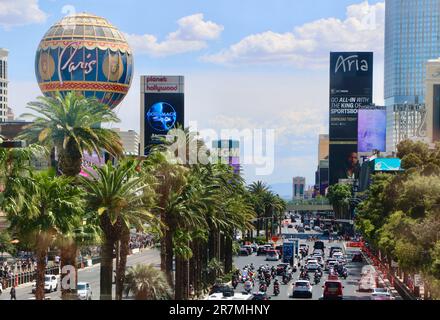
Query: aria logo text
[{"x": 351, "y": 63}]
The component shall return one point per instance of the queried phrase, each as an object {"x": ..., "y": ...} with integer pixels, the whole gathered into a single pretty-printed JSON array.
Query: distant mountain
[{"x": 284, "y": 190}]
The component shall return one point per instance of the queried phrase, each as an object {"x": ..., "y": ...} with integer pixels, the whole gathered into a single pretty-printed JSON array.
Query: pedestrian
[
  {"x": 13, "y": 293},
  {"x": 192, "y": 292}
]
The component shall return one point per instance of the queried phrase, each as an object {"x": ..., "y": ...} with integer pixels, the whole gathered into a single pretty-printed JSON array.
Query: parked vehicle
[{"x": 50, "y": 284}]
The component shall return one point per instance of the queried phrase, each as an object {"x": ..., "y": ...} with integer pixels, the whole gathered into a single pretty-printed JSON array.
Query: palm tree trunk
[
  {"x": 178, "y": 293},
  {"x": 106, "y": 276},
  {"x": 69, "y": 252},
  {"x": 222, "y": 247},
  {"x": 169, "y": 257},
  {"x": 120, "y": 271},
  {"x": 163, "y": 245},
  {"x": 228, "y": 254},
  {"x": 41, "y": 272}
]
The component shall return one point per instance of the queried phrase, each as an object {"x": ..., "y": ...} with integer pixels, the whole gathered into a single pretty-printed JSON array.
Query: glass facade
[
  {"x": 3, "y": 84},
  {"x": 412, "y": 37}
]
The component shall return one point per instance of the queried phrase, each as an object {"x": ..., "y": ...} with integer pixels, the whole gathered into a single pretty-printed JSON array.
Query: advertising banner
[
  {"x": 344, "y": 162},
  {"x": 323, "y": 180},
  {"x": 387, "y": 164},
  {"x": 351, "y": 88},
  {"x": 163, "y": 108},
  {"x": 372, "y": 129},
  {"x": 436, "y": 114}
]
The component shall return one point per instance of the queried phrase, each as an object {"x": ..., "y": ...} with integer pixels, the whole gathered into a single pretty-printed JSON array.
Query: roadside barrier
[{"x": 26, "y": 277}]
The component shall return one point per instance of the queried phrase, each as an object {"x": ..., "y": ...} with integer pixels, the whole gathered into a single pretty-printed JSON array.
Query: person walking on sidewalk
[{"x": 13, "y": 293}]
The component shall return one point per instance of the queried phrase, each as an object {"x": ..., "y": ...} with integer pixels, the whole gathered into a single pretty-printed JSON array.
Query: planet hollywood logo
[{"x": 162, "y": 117}]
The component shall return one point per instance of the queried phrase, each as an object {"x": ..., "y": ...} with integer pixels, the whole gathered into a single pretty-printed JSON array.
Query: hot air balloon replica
[{"x": 84, "y": 53}]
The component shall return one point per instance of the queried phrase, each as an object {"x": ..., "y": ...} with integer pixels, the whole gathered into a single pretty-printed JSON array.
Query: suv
[
  {"x": 50, "y": 283},
  {"x": 333, "y": 290},
  {"x": 84, "y": 291},
  {"x": 335, "y": 249}
]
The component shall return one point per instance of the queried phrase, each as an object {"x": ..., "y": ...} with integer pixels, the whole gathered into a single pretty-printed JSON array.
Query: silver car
[{"x": 302, "y": 289}]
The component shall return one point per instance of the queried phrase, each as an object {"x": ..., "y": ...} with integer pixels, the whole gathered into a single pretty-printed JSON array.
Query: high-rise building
[
  {"x": 3, "y": 84},
  {"x": 299, "y": 185},
  {"x": 130, "y": 141},
  {"x": 412, "y": 37},
  {"x": 227, "y": 152},
  {"x": 323, "y": 147}
]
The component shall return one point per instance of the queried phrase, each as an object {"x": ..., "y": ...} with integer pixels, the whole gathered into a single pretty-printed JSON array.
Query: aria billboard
[
  {"x": 372, "y": 129},
  {"x": 162, "y": 108},
  {"x": 351, "y": 88}
]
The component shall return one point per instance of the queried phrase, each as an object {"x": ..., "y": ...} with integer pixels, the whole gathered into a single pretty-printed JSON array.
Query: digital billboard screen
[
  {"x": 351, "y": 88},
  {"x": 436, "y": 113},
  {"x": 163, "y": 108},
  {"x": 344, "y": 162},
  {"x": 372, "y": 130},
  {"x": 387, "y": 164},
  {"x": 323, "y": 180}
]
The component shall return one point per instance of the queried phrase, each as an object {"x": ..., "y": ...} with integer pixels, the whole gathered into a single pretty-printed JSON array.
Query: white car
[
  {"x": 84, "y": 291},
  {"x": 313, "y": 265},
  {"x": 317, "y": 229},
  {"x": 302, "y": 288},
  {"x": 381, "y": 294},
  {"x": 50, "y": 283},
  {"x": 337, "y": 255},
  {"x": 331, "y": 264}
]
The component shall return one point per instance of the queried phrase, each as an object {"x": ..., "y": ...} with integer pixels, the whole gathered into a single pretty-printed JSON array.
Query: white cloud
[
  {"x": 20, "y": 12},
  {"x": 309, "y": 45},
  {"x": 192, "y": 35}
]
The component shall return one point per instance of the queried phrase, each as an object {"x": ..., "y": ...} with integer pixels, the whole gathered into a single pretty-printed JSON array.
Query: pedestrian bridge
[{"x": 309, "y": 207}]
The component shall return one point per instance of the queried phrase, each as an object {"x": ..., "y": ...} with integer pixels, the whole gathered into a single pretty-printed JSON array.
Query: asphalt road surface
[
  {"x": 351, "y": 285},
  {"x": 90, "y": 275}
]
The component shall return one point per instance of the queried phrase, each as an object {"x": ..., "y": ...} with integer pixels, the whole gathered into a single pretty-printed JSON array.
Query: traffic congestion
[{"x": 306, "y": 263}]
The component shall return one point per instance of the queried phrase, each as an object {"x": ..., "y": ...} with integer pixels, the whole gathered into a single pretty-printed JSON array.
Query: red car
[{"x": 333, "y": 290}]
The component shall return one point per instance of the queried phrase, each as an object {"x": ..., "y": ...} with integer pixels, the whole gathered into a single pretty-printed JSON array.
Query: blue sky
[{"x": 248, "y": 63}]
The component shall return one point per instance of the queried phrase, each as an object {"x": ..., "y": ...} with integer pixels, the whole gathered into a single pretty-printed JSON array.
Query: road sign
[
  {"x": 275, "y": 239},
  {"x": 418, "y": 282}
]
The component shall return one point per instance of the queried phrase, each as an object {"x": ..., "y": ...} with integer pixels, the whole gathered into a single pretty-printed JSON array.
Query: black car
[
  {"x": 290, "y": 226},
  {"x": 357, "y": 257},
  {"x": 221, "y": 288},
  {"x": 319, "y": 245},
  {"x": 281, "y": 268},
  {"x": 326, "y": 233},
  {"x": 244, "y": 252},
  {"x": 261, "y": 251},
  {"x": 261, "y": 296}
]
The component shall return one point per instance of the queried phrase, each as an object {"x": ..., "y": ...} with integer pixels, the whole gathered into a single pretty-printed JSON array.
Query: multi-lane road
[
  {"x": 351, "y": 284},
  {"x": 90, "y": 275}
]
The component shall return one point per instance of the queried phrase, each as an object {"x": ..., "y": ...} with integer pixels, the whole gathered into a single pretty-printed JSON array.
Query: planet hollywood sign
[{"x": 163, "y": 84}]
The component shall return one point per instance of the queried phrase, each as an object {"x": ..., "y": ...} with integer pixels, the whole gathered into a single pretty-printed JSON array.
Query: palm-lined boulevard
[{"x": 195, "y": 211}]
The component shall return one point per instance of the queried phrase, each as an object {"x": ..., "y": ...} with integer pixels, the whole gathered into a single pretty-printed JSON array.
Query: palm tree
[
  {"x": 147, "y": 283},
  {"x": 43, "y": 209},
  {"x": 116, "y": 195},
  {"x": 71, "y": 125}
]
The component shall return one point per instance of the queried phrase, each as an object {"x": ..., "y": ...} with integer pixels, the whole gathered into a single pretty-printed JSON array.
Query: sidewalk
[
  {"x": 29, "y": 284},
  {"x": 383, "y": 282}
]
